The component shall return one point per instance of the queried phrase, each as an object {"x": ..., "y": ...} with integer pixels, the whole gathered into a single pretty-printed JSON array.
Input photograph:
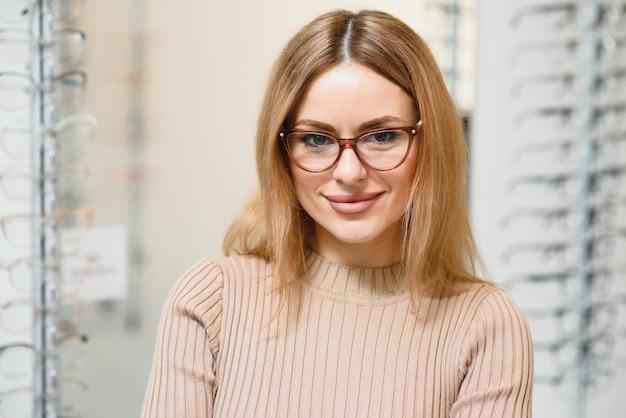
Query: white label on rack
[{"x": 97, "y": 269}]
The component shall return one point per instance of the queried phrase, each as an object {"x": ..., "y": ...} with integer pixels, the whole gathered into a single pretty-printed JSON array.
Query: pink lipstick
[{"x": 352, "y": 204}]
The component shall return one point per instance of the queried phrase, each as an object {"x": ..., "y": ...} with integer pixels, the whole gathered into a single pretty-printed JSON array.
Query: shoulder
[
  {"x": 197, "y": 296},
  {"x": 475, "y": 299},
  {"x": 492, "y": 304},
  {"x": 486, "y": 304},
  {"x": 495, "y": 320},
  {"x": 496, "y": 357},
  {"x": 199, "y": 290}
]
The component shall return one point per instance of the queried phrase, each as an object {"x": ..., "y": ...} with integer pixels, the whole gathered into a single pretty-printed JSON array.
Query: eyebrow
[{"x": 371, "y": 124}]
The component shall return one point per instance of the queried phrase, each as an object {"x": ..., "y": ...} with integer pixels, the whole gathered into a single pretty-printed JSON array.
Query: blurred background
[{"x": 143, "y": 116}]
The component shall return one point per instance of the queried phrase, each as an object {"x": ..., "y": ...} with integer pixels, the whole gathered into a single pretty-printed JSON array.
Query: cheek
[
  {"x": 404, "y": 184},
  {"x": 302, "y": 184}
]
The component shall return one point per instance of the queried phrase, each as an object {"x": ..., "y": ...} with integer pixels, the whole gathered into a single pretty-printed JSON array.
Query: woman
[{"x": 354, "y": 292}]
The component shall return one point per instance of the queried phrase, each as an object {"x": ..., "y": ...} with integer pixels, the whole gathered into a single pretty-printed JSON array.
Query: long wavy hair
[{"x": 439, "y": 251}]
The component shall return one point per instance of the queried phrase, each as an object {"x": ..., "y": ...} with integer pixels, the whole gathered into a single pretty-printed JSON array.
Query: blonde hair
[{"x": 439, "y": 252}]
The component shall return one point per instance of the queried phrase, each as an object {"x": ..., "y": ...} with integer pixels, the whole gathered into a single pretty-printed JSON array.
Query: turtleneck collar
[{"x": 359, "y": 285}]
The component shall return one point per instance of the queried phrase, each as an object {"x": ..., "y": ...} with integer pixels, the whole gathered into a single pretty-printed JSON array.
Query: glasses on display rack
[
  {"x": 382, "y": 149},
  {"x": 600, "y": 275},
  {"x": 558, "y": 14},
  {"x": 43, "y": 142},
  {"x": 562, "y": 253},
  {"x": 606, "y": 115},
  {"x": 20, "y": 272},
  {"x": 19, "y": 11},
  {"x": 16, "y": 182},
  {"x": 562, "y": 283},
  {"x": 599, "y": 184},
  {"x": 563, "y": 13},
  {"x": 606, "y": 149},
  {"x": 601, "y": 216},
  {"x": 611, "y": 13},
  {"x": 561, "y": 358},
  {"x": 561, "y": 52},
  {"x": 16, "y": 358},
  {"x": 18, "y": 316},
  {"x": 15, "y": 139},
  {"x": 64, "y": 91},
  {"x": 66, "y": 45},
  {"x": 610, "y": 86},
  {"x": 557, "y": 52},
  {"x": 599, "y": 317},
  {"x": 559, "y": 82},
  {"x": 23, "y": 402},
  {"x": 594, "y": 377},
  {"x": 599, "y": 346},
  {"x": 71, "y": 138},
  {"x": 546, "y": 118},
  {"x": 556, "y": 253},
  {"x": 563, "y": 221},
  {"x": 18, "y": 229},
  {"x": 610, "y": 46}
]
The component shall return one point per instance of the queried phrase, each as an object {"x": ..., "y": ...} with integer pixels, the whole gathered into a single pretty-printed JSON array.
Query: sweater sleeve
[
  {"x": 496, "y": 363},
  {"x": 183, "y": 380}
]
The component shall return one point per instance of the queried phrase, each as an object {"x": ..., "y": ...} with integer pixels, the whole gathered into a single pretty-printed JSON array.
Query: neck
[
  {"x": 379, "y": 253},
  {"x": 370, "y": 286}
]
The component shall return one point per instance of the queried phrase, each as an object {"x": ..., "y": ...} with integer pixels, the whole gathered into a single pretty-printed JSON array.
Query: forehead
[{"x": 350, "y": 94}]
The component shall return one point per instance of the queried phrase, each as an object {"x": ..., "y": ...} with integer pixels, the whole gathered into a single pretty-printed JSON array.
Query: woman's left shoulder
[
  {"x": 490, "y": 305},
  {"x": 487, "y": 294}
]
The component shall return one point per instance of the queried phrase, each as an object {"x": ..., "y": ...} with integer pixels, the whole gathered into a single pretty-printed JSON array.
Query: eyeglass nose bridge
[
  {"x": 344, "y": 143},
  {"x": 350, "y": 143}
]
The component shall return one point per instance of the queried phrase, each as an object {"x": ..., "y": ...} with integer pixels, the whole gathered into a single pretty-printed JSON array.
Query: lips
[{"x": 353, "y": 203}]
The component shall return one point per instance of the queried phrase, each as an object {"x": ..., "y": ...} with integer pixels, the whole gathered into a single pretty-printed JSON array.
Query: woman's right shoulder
[
  {"x": 198, "y": 293},
  {"x": 210, "y": 275}
]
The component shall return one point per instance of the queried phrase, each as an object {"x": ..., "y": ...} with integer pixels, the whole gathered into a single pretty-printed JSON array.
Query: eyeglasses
[
  {"x": 15, "y": 11},
  {"x": 24, "y": 402},
  {"x": 560, "y": 254},
  {"x": 20, "y": 272},
  {"x": 560, "y": 15},
  {"x": 73, "y": 135},
  {"x": 16, "y": 181},
  {"x": 15, "y": 358},
  {"x": 564, "y": 217},
  {"x": 599, "y": 317},
  {"x": 382, "y": 149},
  {"x": 561, "y": 357},
  {"x": 604, "y": 182},
  {"x": 18, "y": 89},
  {"x": 18, "y": 316},
  {"x": 66, "y": 44},
  {"x": 18, "y": 229}
]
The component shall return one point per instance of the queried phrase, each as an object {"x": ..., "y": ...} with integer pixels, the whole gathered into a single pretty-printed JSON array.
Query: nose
[{"x": 349, "y": 169}]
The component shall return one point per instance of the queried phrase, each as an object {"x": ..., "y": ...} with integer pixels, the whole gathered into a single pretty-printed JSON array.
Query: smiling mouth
[{"x": 352, "y": 204}]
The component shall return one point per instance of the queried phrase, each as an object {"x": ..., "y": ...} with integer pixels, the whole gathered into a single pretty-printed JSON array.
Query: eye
[
  {"x": 382, "y": 137},
  {"x": 315, "y": 139}
]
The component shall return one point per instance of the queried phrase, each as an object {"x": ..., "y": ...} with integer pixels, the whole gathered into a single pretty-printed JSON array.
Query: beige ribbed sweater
[{"x": 352, "y": 349}]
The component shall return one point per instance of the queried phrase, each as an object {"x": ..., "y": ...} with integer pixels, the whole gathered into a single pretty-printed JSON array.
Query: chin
[{"x": 359, "y": 236}]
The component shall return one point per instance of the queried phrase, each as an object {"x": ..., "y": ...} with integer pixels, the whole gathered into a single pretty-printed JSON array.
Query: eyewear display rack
[
  {"x": 565, "y": 223},
  {"x": 452, "y": 37},
  {"x": 45, "y": 288},
  {"x": 50, "y": 95}
]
